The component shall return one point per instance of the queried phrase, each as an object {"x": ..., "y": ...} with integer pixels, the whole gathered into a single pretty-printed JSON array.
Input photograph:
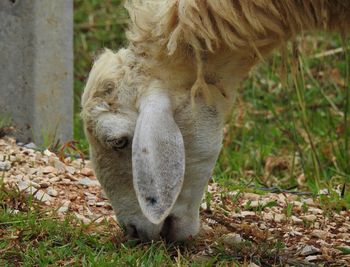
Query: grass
[
  {"x": 291, "y": 114},
  {"x": 5, "y": 125},
  {"x": 290, "y": 130},
  {"x": 31, "y": 236}
]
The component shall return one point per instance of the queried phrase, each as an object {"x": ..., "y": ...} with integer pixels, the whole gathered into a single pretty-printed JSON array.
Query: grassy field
[
  {"x": 289, "y": 130},
  {"x": 291, "y": 125},
  {"x": 33, "y": 238}
]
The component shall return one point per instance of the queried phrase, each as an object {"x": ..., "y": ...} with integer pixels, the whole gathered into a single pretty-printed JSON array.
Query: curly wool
[{"x": 182, "y": 28}]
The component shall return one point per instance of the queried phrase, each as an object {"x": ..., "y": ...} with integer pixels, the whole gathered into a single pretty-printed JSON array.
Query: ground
[
  {"x": 279, "y": 193},
  {"x": 240, "y": 227}
]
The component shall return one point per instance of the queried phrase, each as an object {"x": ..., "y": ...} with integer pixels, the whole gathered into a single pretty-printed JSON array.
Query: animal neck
[
  {"x": 216, "y": 43},
  {"x": 210, "y": 25}
]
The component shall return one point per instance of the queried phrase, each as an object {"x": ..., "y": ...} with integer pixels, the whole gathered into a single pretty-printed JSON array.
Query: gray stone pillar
[{"x": 36, "y": 68}]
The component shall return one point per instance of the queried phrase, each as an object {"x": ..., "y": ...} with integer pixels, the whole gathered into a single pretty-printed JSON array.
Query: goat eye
[{"x": 119, "y": 143}]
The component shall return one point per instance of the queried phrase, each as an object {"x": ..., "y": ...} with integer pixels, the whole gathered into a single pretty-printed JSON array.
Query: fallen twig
[{"x": 330, "y": 52}]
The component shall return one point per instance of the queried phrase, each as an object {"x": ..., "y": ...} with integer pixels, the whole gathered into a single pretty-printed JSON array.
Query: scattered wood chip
[{"x": 308, "y": 234}]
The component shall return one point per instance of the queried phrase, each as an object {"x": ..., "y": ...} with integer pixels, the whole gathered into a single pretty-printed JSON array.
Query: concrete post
[{"x": 36, "y": 68}]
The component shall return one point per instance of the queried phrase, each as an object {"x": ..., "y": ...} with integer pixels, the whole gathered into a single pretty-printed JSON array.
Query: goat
[{"x": 154, "y": 112}]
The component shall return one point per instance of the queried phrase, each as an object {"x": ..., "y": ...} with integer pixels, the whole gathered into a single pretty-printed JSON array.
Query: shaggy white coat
[{"x": 154, "y": 112}]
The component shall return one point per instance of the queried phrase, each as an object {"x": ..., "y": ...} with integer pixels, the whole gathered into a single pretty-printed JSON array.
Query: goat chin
[{"x": 154, "y": 112}]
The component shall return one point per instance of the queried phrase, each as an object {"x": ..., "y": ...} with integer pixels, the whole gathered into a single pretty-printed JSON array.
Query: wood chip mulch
[{"x": 280, "y": 229}]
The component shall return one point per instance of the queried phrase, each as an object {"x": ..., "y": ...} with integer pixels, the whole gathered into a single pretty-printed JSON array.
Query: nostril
[
  {"x": 132, "y": 231},
  {"x": 166, "y": 229}
]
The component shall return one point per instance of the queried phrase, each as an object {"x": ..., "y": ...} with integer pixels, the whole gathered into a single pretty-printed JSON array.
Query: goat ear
[{"x": 158, "y": 157}]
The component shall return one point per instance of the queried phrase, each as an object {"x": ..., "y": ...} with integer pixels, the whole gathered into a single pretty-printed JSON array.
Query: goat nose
[
  {"x": 166, "y": 231},
  {"x": 134, "y": 232},
  {"x": 131, "y": 231}
]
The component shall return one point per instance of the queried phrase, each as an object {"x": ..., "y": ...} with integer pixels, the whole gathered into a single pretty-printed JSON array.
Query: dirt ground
[{"x": 292, "y": 227}]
